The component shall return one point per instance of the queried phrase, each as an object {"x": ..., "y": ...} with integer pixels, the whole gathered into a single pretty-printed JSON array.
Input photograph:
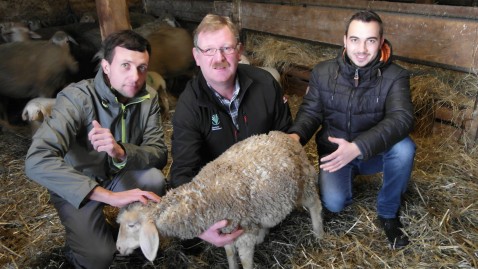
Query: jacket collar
[
  {"x": 373, "y": 69},
  {"x": 107, "y": 94}
]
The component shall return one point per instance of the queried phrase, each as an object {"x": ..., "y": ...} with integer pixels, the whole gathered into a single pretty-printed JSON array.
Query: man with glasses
[{"x": 225, "y": 103}]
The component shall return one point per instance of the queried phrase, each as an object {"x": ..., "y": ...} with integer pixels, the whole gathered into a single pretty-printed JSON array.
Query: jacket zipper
[
  {"x": 349, "y": 109},
  {"x": 235, "y": 135},
  {"x": 123, "y": 116},
  {"x": 356, "y": 78},
  {"x": 245, "y": 123},
  {"x": 123, "y": 123},
  {"x": 349, "y": 114}
]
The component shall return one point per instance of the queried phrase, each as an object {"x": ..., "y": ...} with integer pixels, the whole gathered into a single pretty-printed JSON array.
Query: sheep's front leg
[
  {"x": 311, "y": 201},
  {"x": 245, "y": 247},
  {"x": 313, "y": 204},
  {"x": 261, "y": 235},
  {"x": 231, "y": 256},
  {"x": 315, "y": 210}
]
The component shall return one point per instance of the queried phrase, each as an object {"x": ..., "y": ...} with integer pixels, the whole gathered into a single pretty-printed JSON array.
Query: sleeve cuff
[{"x": 120, "y": 165}]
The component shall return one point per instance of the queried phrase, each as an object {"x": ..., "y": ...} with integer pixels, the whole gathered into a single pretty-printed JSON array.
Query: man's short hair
[
  {"x": 213, "y": 22},
  {"x": 127, "y": 39},
  {"x": 365, "y": 16}
]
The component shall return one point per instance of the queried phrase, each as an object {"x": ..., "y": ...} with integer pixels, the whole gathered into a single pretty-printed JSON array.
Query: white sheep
[
  {"x": 157, "y": 82},
  {"x": 271, "y": 70},
  {"x": 38, "y": 108},
  {"x": 17, "y": 32},
  {"x": 62, "y": 39},
  {"x": 255, "y": 184}
]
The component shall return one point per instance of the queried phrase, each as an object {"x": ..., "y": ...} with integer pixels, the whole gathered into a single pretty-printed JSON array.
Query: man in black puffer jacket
[{"x": 361, "y": 102}]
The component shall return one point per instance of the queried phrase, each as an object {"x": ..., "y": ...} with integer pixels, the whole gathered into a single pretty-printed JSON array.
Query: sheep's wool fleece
[
  {"x": 31, "y": 69},
  {"x": 254, "y": 184}
]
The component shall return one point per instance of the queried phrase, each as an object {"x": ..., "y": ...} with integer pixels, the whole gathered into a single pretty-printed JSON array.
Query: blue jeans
[{"x": 396, "y": 165}]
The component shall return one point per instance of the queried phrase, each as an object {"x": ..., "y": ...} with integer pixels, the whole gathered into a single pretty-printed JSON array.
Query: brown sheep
[{"x": 34, "y": 69}]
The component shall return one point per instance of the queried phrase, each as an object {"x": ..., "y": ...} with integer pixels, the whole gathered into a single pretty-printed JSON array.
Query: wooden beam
[
  {"x": 181, "y": 9},
  {"x": 424, "y": 1},
  {"x": 113, "y": 16},
  {"x": 386, "y": 6}
]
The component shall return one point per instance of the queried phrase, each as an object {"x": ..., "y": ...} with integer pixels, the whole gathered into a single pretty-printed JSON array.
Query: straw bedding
[{"x": 439, "y": 211}]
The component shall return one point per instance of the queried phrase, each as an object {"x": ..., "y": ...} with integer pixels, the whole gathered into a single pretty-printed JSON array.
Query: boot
[{"x": 392, "y": 228}]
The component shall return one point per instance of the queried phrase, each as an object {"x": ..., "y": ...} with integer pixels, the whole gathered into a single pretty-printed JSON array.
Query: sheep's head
[
  {"x": 62, "y": 40},
  {"x": 137, "y": 229},
  {"x": 38, "y": 109}
]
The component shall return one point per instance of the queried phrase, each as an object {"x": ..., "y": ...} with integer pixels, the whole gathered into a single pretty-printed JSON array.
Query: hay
[
  {"x": 435, "y": 88},
  {"x": 440, "y": 209},
  {"x": 282, "y": 53}
]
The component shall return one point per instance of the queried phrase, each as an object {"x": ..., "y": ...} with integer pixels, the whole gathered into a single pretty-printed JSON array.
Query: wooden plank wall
[
  {"x": 445, "y": 36},
  {"x": 192, "y": 11}
]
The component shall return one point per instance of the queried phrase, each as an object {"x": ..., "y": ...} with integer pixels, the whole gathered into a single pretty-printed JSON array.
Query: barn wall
[
  {"x": 51, "y": 12},
  {"x": 437, "y": 35}
]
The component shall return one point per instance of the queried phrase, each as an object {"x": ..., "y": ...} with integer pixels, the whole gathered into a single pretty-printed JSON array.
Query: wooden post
[
  {"x": 236, "y": 14},
  {"x": 113, "y": 16}
]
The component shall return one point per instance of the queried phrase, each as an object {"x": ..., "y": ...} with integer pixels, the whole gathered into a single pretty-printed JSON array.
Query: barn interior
[{"x": 436, "y": 40}]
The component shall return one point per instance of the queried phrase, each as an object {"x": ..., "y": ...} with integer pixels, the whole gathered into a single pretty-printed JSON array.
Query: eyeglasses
[{"x": 224, "y": 50}]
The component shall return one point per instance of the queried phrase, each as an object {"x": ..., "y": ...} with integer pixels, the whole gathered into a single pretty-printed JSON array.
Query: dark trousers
[{"x": 91, "y": 240}]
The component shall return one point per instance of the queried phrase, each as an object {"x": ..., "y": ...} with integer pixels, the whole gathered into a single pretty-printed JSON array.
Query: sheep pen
[{"x": 440, "y": 209}]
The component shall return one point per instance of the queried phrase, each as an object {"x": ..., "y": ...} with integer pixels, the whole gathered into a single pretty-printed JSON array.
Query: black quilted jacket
[{"x": 374, "y": 111}]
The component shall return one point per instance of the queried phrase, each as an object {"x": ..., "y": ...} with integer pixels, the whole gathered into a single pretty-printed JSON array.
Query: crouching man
[
  {"x": 103, "y": 144},
  {"x": 361, "y": 101}
]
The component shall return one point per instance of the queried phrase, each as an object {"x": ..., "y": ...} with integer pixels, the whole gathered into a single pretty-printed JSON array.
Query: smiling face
[
  {"x": 219, "y": 70},
  {"x": 363, "y": 42},
  {"x": 127, "y": 71}
]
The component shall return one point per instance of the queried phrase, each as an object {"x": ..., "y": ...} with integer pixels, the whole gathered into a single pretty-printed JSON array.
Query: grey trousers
[{"x": 90, "y": 240}]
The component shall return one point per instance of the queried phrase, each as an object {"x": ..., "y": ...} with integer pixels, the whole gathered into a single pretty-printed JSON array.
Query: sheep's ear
[{"x": 149, "y": 240}]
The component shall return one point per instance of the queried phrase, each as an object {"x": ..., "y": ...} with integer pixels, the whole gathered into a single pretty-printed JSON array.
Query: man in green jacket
[{"x": 103, "y": 144}]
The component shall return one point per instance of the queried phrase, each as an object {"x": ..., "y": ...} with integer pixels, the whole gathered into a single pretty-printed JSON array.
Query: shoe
[
  {"x": 70, "y": 257},
  {"x": 395, "y": 235}
]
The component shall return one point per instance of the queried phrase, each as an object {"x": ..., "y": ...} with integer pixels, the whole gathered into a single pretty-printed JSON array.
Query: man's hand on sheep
[
  {"x": 122, "y": 198},
  {"x": 295, "y": 136},
  {"x": 214, "y": 235},
  {"x": 102, "y": 140},
  {"x": 345, "y": 153}
]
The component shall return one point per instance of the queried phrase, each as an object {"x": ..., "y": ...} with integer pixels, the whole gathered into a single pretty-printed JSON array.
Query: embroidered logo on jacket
[{"x": 215, "y": 123}]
